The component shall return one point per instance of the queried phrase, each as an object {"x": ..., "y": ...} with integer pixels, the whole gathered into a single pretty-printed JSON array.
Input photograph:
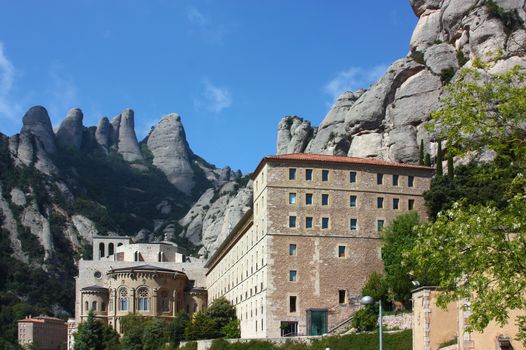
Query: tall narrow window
[
  {"x": 410, "y": 181},
  {"x": 379, "y": 179},
  {"x": 411, "y": 204},
  {"x": 292, "y": 275},
  {"x": 325, "y": 175},
  {"x": 380, "y": 225},
  {"x": 308, "y": 222},
  {"x": 292, "y": 221},
  {"x": 396, "y": 203},
  {"x": 324, "y": 199},
  {"x": 292, "y": 303},
  {"x": 292, "y": 249},
  {"x": 341, "y": 296},
  {"x": 292, "y": 198},
  {"x": 352, "y": 177},
  {"x": 102, "y": 306},
  {"x": 341, "y": 251},
  {"x": 354, "y": 224},
  {"x": 395, "y": 180},
  {"x": 123, "y": 299},
  {"x": 308, "y": 198},
  {"x": 324, "y": 223},
  {"x": 352, "y": 201},
  {"x": 86, "y": 306},
  {"x": 380, "y": 202},
  {"x": 292, "y": 173},
  {"x": 143, "y": 300},
  {"x": 308, "y": 174}
]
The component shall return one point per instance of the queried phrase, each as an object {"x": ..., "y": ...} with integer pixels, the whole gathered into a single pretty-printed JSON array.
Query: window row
[
  {"x": 342, "y": 297},
  {"x": 353, "y": 177},
  {"x": 293, "y": 249},
  {"x": 325, "y": 223},
  {"x": 353, "y": 201}
]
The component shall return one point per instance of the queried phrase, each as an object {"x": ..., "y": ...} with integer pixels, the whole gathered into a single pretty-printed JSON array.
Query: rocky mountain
[{"x": 387, "y": 120}]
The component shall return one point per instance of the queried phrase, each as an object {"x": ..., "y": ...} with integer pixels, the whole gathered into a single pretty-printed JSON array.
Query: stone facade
[
  {"x": 46, "y": 333},
  {"x": 298, "y": 263}
]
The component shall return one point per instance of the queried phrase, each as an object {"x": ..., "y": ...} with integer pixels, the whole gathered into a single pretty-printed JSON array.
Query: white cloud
[
  {"x": 211, "y": 32},
  {"x": 213, "y": 98},
  {"x": 353, "y": 79},
  {"x": 8, "y": 108}
]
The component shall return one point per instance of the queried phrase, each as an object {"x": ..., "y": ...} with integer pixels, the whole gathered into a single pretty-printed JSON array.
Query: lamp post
[{"x": 368, "y": 300}]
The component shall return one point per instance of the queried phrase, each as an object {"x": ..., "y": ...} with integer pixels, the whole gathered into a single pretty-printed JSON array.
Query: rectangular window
[
  {"x": 292, "y": 249},
  {"x": 352, "y": 177},
  {"x": 411, "y": 204},
  {"x": 292, "y": 275},
  {"x": 324, "y": 223},
  {"x": 308, "y": 222},
  {"x": 395, "y": 180},
  {"x": 354, "y": 224},
  {"x": 292, "y": 173},
  {"x": 396, "y": 202},
  {"x": 324, "y": 199},
  {"x": 325, "y": 175},
  {"x": 308, "y": 198},
  {"x": 380, "y": 202},
  {"x": 379, "y": 179},
  {"x": 292, "y": 221},
  {"x": 380, "y": 225},
  {"x": 292, "y": 198},
  {"x": 410, "y": 181},
  {"x": 341, "y": 296},
  {"x": 352, "y": 201},
  {"x": 341, "y": 251},
  {"x": 308, "y": 174},
  {"x": 292, "y": 303}
]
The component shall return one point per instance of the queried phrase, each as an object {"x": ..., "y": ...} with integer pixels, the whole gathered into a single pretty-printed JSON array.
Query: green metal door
[{"x": 317, "y": 322}]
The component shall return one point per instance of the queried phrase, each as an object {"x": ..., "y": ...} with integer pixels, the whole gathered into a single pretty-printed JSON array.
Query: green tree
[
  {"x": 376, "y": 287},
  {"x": 156, "y": 333},
  {"x": 202, "y": 327},
  {"x": 438, "y": 160},
  {"x": 221, "y": 311},
  {"x": 132, "y": 326},
  {"x": 231, "y": 329},
  {"x": 179, "y": 323},
  {"x": 478, "y": 250},
  {"x": 90, "y": 334},
  {"x": 421, "y": 153}
]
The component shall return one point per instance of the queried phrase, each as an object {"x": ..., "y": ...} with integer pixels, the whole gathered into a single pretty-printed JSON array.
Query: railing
[{"x": 339, "y": 325}]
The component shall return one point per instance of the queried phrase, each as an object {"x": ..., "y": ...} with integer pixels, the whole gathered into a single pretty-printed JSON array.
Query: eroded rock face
[
  {"x": 171, "y": 152},
  {"x": 37, "y": 123},
  {"x": 85, "y": 227},
  {"x": 10, "y": 225},
  {"x": 293, "y": 135},
  {"x": 69, "y": 133},
  {"x": 104, "y": 134},
  {"x": 38, "y": 225},
  {"x": 127, "y": 144}
]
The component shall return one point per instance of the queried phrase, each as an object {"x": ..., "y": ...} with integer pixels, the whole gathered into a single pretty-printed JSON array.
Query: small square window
[
  {"x": 352, "y": 177},
  {"x": 292, "y": 249},
  {"x": 292, "y": 198},
  {"x": 308, "y": 198},
  {"x": 411, "y": 204},
  {"x": 324, "y": 199},
  {"x": 379, "y": 179},
  {"x": 325, "y": 175},
  {"x": 292, "y": 173},
  {"x": 324, "y": 223},
  {"x": 308, "y": 222},
  {"x": 380, "y": 202},
  {"x": 292, "y": 303},
  {"x": 395, "y": 180},
  {"x": 354, "y": 224},
  {"x": 380, "y": 225},
  {"x": 292, "y": 275},
  {"x": 341, "y": 251},
  {"x": 396, "y": 203},
  {"x": 352, "y": 201},
  {"x": 308, "y": 174},
  {"x": 341, "y": 296},
  {"x": 410, "y": 181},
  {"x": 292, "y": 221}
]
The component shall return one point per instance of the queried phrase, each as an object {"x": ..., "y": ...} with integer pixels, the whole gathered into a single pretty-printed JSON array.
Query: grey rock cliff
[
  {"x": 126, "y": 140},
  {"x": 104, "y": 134},
  {"x": 69, "y": 133},
  {"x": 36, "y": 122},
  {"x": 171, "y": 152}
]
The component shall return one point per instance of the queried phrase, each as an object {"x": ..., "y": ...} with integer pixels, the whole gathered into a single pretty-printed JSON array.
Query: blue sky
[{"x": 231, "y": 69}]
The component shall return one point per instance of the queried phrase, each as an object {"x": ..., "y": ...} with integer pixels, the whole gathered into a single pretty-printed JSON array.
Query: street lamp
[{"x": 368, "y": 300}]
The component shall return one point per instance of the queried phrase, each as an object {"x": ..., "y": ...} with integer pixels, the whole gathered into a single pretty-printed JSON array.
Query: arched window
[
  {"x": 123, "y": 299},
  {"x": 136, "y": 256},
  {"x": 160, "y": 256},
  {"x": 118, "y": 245},
  {"x": 86, "y": 306},
  {"x": 164, "y": 301},
  {"x": 94, "y": 306},
  {"x": 143, "y": 301},
  {"x": 110, "y": 249},
  {"x": 102, "y": 306},
  {"x": 101, "y": 250}
]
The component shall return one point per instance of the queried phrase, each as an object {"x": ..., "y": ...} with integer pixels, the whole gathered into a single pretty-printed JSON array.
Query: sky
[{"x": 231, "y": 69}]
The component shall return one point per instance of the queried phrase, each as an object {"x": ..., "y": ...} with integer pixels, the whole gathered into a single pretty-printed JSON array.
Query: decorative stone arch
[
  {"x": 102, "y": 250},
  {"x": 143, "y": 296},
  {"x": 164, "y": 301},
  {"x": 111, "y": 249},
  {"x": 122, "y": 296}
]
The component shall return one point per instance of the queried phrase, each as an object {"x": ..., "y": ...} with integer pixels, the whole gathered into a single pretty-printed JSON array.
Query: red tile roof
[{"x": 336, "y": 159}]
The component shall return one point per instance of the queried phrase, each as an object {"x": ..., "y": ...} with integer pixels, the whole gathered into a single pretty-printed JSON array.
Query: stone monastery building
[{"x": 295, "y": 264}]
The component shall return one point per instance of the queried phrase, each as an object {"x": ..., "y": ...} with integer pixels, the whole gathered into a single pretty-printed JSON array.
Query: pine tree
[
  {"x": 90, "y": 335},
  {"x": 427, "y": 161},
  {"x": 450, "y": 167},
  {"x": 421, "y": 155},
  {"x": 438, "y": 160}
]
